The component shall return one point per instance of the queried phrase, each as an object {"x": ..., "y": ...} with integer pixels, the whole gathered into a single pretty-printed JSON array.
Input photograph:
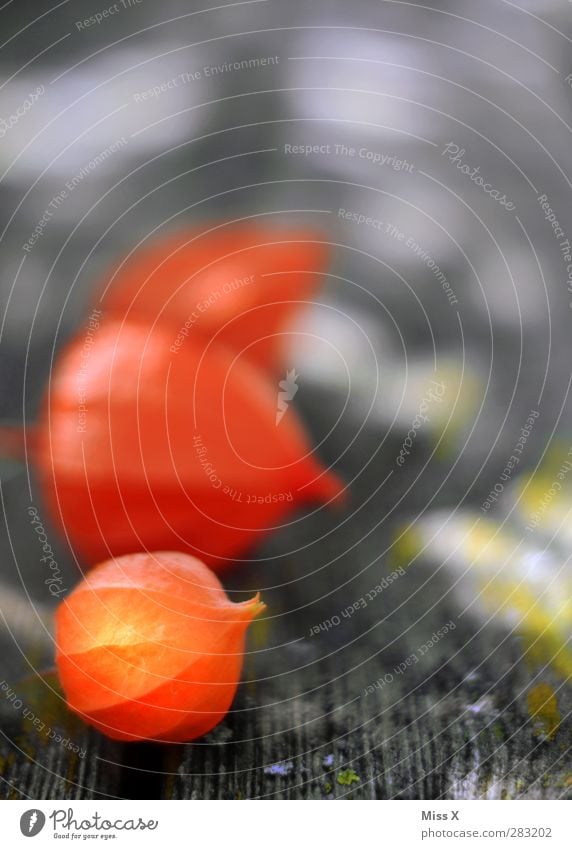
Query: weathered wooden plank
[
  {"x": 427, "y": 747},
  {"x": 456, "y": 723},
  {"x": 46, "y": 753}
]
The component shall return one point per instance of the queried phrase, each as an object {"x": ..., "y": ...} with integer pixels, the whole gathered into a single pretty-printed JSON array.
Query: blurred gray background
[{"x": 202, "y": 141}]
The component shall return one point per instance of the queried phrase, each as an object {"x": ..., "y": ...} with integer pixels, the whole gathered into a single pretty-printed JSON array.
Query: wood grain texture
[
  {"x": 454, "y": 724},
  {"x": 46, "y": 753}
]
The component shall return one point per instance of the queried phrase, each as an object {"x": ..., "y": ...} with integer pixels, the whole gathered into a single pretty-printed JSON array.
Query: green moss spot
[{"x": 348, "y": 777}]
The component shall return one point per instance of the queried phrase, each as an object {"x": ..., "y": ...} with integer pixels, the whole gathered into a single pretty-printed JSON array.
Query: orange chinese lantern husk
[
  {"x": 242, "y": 284},
  {"x": 150, "y": 647},
  {"x": 178, "y": 451}
]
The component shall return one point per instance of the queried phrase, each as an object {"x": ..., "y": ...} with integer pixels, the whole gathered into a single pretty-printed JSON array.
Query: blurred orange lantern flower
[
  {"x": 172, "y": 450},
  {"x": 150, "y": 647},
  {"x": 242, "y": 283}
]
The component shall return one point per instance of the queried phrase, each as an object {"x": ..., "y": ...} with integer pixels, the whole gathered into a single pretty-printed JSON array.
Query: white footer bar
[{"x": 273, "y": 825}]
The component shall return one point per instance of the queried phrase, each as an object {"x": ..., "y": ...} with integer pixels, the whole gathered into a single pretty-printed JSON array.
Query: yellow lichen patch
[
  {"x": 500, "y": 577},
  {"x": 348, "y": 777},
  {"x": 550, "y": 650},
  {"x": 544, "y": 499},
  {"x": 486, "y": 540},
  {"x": 408, "y": 544},
  {"x": 544, "y": 628},
  {"x": 543, "y": 710}
]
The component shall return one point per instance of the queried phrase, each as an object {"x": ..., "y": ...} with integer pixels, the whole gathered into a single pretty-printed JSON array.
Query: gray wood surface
[{"x": 456, "y": 725}]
